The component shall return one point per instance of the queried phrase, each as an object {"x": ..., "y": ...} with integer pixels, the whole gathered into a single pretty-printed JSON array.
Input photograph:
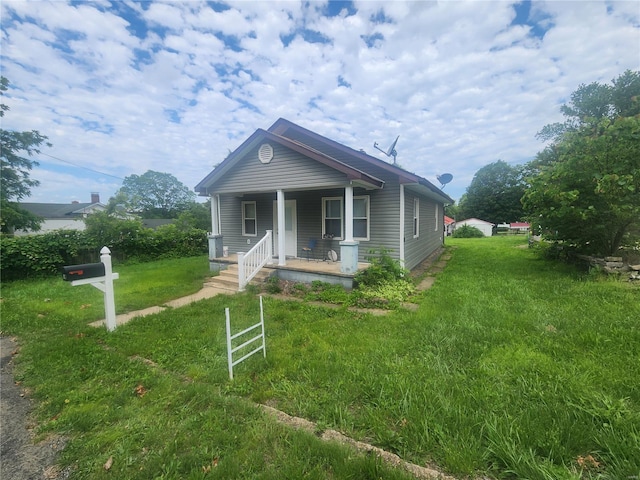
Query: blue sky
[{"x": 124, "y": 87}]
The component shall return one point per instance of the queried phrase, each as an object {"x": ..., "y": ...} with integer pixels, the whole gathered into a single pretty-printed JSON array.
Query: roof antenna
[
  {"x": 444, "y": 179},
  {"x": 391, "y": 152}
]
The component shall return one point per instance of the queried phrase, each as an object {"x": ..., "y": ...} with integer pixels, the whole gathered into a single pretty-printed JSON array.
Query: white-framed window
[
  {"x": 436, "y": 229},
  {"x": 332, "y": 214},
  {"x": 416, "y": 218},
  {"x": 361, "y": 217},
  {"x": 249, "y": 219}
]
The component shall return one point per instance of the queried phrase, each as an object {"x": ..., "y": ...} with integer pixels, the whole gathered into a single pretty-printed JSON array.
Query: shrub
[
  {"x": 383, "y": 269},
  {"x": 467, "y": 231}
]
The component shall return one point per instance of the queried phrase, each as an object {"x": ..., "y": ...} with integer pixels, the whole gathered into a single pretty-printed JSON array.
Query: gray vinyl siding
[
  {"x": 287, "y": 170},
  {"x": 417, "y": 249},
  {"x": 308, "y": 181}
]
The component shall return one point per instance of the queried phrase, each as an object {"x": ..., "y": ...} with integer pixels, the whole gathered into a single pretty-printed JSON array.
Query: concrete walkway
[{"x": 205, "y": 292}]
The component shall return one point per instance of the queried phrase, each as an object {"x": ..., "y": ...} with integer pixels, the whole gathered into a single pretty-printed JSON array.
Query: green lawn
[{"x": 512, "y": 367}]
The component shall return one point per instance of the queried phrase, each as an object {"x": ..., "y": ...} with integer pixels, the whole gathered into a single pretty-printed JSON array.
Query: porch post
[
  {"x": 348, "y": 247},
  {"x": 215, "y": 239},
  {"x": 215, "y": 219},
  {"x": 281, "y": 228}
]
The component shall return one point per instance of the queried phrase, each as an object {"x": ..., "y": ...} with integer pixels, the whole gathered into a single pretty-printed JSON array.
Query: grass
[{"x": 512, "y": 367}]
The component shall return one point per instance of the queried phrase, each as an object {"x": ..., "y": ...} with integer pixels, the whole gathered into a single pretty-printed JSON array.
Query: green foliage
[
  {"x": 40, "y": 255},
  {"x": 585, "y": 187},
  {"x": 383, "y": 269},
  {"x": 467, "y": 231},
  {"x": 153, "y": 195},
  {"x": 43, "y": 255},
  {"x": 384, "y": 284},
  {"x": 272, "y": 285},
  {"x": 15, "y": 181},
  {"x": 467, "y": 382},
  {"x": 494, "y": 194}
]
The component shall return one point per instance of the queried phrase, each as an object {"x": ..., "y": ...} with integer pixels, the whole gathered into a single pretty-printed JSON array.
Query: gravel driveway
[{"x": 20, "y": 457}]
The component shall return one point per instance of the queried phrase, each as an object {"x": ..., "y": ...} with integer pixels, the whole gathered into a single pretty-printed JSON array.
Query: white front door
[{"x": 290, "y": 227}]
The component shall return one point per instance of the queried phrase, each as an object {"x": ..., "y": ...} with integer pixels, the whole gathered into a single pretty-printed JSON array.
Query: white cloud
[{"x": 174, "y": 86}]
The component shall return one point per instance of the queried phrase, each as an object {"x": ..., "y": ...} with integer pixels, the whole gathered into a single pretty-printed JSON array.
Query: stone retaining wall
[{"x": 612, "y": 265}]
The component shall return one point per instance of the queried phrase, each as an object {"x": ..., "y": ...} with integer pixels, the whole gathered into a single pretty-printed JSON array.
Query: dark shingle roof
[{"x": 58, "y": 210}]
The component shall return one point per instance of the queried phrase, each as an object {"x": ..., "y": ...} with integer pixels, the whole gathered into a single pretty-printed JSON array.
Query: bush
[
  {"x": 383, "y": 269},
  {"x": 44, "y": 255},
  {"x": 467, "y": 231}
]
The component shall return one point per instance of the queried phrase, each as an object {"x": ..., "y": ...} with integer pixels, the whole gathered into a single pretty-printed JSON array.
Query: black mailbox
[{"x": 78, "y": 272}]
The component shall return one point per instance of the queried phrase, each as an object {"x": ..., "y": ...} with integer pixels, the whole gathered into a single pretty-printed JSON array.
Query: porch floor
[{"x": 300, "y": 265}]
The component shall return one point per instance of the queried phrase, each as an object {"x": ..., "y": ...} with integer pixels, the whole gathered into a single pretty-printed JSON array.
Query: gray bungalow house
[{"x": 321, "y": 195}]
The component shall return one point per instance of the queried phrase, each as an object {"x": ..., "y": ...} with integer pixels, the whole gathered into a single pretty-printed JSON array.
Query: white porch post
[
  {"x": 348, "y": 247},
  {"x": 348, "y": 213},
  {"x": 215, "y": 218},
  {"x": 215, "y": 239},
  {"x": 401, "y": 226},
  {"x": 281, "y": 228}
]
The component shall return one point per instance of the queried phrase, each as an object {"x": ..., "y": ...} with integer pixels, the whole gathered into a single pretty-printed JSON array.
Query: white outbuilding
[{"x": 485, "y": 227}]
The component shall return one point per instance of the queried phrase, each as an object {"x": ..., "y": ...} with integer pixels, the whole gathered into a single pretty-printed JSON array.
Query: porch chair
[{"x": 309, "y": 249}]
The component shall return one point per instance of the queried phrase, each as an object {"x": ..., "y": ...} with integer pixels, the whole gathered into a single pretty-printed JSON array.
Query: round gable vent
[{"x": 265, "y": 153}]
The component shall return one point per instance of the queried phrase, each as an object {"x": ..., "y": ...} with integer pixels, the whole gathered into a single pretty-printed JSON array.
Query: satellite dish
[
  {"x": 444, "y": 179},
  {"x": 391, "y": 151}
]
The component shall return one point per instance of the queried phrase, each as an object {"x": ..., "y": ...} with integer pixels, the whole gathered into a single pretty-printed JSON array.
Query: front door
[{"x": 290, "y": 227}]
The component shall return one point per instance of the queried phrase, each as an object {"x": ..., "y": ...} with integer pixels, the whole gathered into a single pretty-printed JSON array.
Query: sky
[{"x": 123, "y": 87}]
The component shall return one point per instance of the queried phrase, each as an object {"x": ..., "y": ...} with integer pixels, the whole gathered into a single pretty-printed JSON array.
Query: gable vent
[{"x": 265, "y": 153}]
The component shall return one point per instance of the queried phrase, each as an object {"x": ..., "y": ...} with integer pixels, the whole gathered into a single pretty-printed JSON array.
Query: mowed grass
[{"x": 512, "y": 366}]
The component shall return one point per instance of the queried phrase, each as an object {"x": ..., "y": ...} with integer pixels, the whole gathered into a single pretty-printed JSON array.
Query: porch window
[
  {"x": 332, "y": 217},
  {"x": 361, "y": 218},
  {"x": 249, "y": 220},
  {"x": 416, "y": 218}
]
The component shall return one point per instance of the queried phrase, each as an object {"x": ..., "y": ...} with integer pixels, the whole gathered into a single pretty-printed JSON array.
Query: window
[
  {"x": 436, "y": 229},
  {"x": 249, "y": 219},
  {"x": 361, "y": 218},
  {"x": 416, "y": 218},
  {"x": 332, "y": 217}
]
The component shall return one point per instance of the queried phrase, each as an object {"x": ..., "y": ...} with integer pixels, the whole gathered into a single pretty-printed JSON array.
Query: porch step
[{"x": 228, "y": 279}]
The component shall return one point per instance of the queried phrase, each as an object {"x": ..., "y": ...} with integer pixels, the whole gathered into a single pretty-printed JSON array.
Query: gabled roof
[
  {"x": 60, "y": 210},
  {"x": 474, "y": 220},
  {"x": 261, "y": 135},
  {"x": 519, "y": 225},
  {"x": 287, "y": 134},
  {"x": 286, "y": 128},
  {"x": 448, "y": 220}
]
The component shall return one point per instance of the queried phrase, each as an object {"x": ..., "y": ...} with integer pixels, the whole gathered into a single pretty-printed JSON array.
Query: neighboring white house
[
  {"x": 485, "y": 227},
  {"x": 62, "y": 216}
]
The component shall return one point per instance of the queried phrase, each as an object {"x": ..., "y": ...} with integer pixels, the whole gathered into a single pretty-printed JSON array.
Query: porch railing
[{"x": 250, "y": 263}]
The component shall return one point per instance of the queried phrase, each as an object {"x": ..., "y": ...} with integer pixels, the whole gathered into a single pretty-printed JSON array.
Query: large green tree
[
  {"x": 153, "y": 195},
  {"x": 15, "y": 179},
  {"x": 494, "y": 194},
  {"x": 585, "y": 186}
]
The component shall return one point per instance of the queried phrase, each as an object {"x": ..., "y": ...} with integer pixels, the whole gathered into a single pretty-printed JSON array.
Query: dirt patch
[{"x": 21, "y": 457}]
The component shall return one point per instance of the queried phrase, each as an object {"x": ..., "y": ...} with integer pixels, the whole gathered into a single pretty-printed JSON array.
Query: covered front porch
[{"x": 298, "y": 269}]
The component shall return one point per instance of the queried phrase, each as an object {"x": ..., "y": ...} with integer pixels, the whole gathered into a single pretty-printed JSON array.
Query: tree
[
  {"x": 153, "y": 195},
  {"x": 494, "y": 194},
  {"x": 15, "y": 181},
  {"x": 585, "y": 186}
]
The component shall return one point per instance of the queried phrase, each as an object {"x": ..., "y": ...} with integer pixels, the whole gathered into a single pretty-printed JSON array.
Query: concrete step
[{"x": 228, "y": 279}]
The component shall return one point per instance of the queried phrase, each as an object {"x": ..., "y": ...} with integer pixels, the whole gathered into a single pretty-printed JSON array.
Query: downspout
[{"x": 402, "y": 225}]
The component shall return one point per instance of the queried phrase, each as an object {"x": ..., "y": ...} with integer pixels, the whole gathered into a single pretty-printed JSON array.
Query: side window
[
  {"x": 416, "y": 218},
  {"x": 436, "y": 228},
  {"x": 332, "y": 217},
  {"x": 249, "y": 219},
  {"x": 361, "y": 218}
]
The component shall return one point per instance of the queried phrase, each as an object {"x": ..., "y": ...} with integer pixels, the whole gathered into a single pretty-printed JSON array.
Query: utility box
[{"x": 79, "y": 272}]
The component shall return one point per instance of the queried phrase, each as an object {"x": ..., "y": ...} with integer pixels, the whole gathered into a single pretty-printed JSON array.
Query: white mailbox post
[{"x": 104, "y": 283}]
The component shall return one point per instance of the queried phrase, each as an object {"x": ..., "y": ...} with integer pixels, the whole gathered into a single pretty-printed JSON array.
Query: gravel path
[{"x": 20, "y": 457}]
